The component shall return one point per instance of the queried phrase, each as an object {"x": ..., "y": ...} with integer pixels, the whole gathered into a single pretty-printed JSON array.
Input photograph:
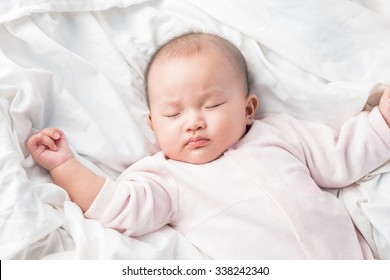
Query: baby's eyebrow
[
  {"x": 169, "y": 103},
  {"x": 211, "y": 92}
]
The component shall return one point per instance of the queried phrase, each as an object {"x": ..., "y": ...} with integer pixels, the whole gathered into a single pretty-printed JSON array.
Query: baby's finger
[
  {"x": 52, "y": 132},
  {"x": 33, "y": 142},
  {"x": 47, "y": 141}
]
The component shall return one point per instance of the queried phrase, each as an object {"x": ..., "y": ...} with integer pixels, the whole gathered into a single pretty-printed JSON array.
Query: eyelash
[
  {"x": 207, "y": 107},
  {"x": 172, "y": 116},
  {"x": 214, "y": 106}
]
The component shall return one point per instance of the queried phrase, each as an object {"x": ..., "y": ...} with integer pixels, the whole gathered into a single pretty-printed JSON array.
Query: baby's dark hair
[{"x": 194, "y": 42}]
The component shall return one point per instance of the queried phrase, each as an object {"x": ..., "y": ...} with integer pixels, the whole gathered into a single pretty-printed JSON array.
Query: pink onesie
[{"x": 262, "y": 198}]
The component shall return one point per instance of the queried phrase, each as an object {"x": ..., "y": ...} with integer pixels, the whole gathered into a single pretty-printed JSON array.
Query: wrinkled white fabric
[{"x": 368, "y": 202}]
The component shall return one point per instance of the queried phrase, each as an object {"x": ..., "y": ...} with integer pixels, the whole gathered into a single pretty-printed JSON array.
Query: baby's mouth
[{"x": 197, "y": 142}]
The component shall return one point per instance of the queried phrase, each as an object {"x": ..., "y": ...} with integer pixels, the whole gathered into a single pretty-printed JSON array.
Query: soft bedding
[{"x": 78, "y": 65}]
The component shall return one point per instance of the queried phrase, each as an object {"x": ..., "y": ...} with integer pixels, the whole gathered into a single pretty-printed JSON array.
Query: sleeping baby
[{"x": 236, "y": 187}]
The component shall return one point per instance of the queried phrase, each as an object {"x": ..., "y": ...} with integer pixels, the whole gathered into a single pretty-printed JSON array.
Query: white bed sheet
[{"x": 78, "y": 65}]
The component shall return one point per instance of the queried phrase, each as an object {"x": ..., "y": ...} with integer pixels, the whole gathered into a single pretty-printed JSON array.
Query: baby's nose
[{"x": 195, "y": 121}]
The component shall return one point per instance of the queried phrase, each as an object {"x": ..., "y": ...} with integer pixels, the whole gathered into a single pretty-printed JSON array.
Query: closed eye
[
  {"x": 215, "y": 105},
  {"x": 172, "y": 115}
]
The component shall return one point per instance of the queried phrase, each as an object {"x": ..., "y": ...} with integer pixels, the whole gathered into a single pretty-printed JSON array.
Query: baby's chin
[{"x": 195, "y": 159}]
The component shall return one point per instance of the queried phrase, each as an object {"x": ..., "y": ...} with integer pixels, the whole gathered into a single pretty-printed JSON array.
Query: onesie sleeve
[
  {"x": 141, "y": 200},
  {"x": 337, "y": 158}
]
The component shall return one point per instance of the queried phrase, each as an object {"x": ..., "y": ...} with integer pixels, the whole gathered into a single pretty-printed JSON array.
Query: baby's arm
[
  {"x": 338, "y": 158},
  {"x": 152, "y": 189},
  {"x": 50, "y": 150},
  {"x": 362, "y": 145}
]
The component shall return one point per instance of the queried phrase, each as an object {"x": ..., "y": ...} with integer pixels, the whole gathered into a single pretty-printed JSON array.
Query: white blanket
[{"x": 78, "y": 65}]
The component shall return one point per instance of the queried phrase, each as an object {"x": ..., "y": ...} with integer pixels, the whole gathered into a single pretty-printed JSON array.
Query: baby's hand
[
  {"x": 384, "y": 106},
  {"x": 49, "y": 148}
]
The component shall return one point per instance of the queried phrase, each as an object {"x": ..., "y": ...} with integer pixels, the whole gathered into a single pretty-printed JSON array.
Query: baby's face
[{"x": 198, "y": 106}]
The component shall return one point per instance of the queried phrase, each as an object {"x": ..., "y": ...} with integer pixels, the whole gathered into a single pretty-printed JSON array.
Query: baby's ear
[{"x": 252, "y": 102}]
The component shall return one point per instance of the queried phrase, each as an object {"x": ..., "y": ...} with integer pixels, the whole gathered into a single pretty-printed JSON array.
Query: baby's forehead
[
  {"x": 204, "y": 56},
  {"x": 194, "y": 44}
]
